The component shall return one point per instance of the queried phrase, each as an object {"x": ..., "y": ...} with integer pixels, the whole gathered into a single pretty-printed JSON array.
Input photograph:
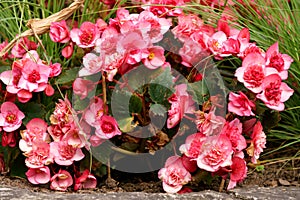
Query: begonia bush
[{"x": 155, "y": 66}]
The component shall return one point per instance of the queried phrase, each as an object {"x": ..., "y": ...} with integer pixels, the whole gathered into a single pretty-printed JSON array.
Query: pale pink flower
[
  {"x": 174, "y": 175},
  {"x": 96, "y": 141},
  {"x": 65, "y": 154},
  {"x": 238, "y": 171},
  {"x": 240, "y": 104},
  {"x": 38, "y": 175},
  {"x": 22, "y": 46},
  {"x": 75, "y": 138},
  {"x": 156, "y": 57},
  {"x": 191, "y": 53},
  {"x": 82, "y": 87},
  {"x": 181, "y": 103},
  {"x": 86, "y": 36},
  {"x": 85, "y": 181},
  {"x": 209, "y": 123},
  {"x": 62, "y": 113},
  {"x": 275, "y": 92},
  {"x": 216, "y": 44},
  {"x": 253, "y": 72},
  {"x": 233, "y": 130},
  {"x": 193, "y": 144},
  {"x": 39, "y": 156},
  {"x": 61, "y": 181},
  {"x": 92, "y": 64},
  {"x": 95, "y": 111},
  {"x": 59, "y": 32},
  {"x": 258, "y": 142},
  {"x": 107, "y": 127},
  {"x": 36, "y": 129},
  {"x": 216, "y": 152},
  {"x": 10, "y": 117},
  {"x": 55, "y": 69},
  {"x": 279, "y": 61}
]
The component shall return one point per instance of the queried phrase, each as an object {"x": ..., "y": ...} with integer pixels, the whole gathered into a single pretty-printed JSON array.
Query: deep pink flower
[
  {"x": 174, "y": 175},
  {"x": 10, "y": 117},
  {"x": 49, "y": 90},
  {"x": 2, "y": 46},
  {"x": 258, "y": 142},
  {"x": 275, "y": 92},
  {"x": 240, "y": 104},
  {"x": 86, "y": 36},
  {"x": 82, "y": 87},
  {"x": 238, "y": 171},
  {"x": 253, "y": 72},
  {"x": 9, "y": 139},
  {"x": 22, "y": 46},
  {"x": 279, "y": 61},
  {"x": 165, "y": 7},
  {"x": 59, "y": 32},
  {"x": 233, "y": 130},
  {"x": 68, "y": 50},
  {"x": 189, "y": 163},
  {"x": 216, "y": 152},
  {"x": 107, "y": 127},
  {"x": 55, "y": 69},
  {"x": 65, "y": 154},
  {"x": 38, "y": 175},
  {"x": 85, "y": 181},
  {"x": 61, "y": 181},
  {"x": 36, "y": 129},
  {"x": 156, "y": 57}
]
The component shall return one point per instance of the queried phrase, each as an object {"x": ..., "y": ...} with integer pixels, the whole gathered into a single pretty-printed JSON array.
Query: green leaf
[
  {"x": 32, "y": 110},
  {"x": 126, "y": 124},
  {"x": 18, "y": 167},
  {"x": 158, "y": 109},
  {"x": 161, "y": 87},
  {"x": 199, "y": 91},
  {"x": 4, "y": 68},
  {"x": 79, "y": 104},
  {"x": 68, "y": 76},
  {"x": 135, "y": 104}
]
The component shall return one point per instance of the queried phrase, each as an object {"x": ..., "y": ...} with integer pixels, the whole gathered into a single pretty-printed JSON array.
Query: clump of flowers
[{"x": 169, "y": 48}]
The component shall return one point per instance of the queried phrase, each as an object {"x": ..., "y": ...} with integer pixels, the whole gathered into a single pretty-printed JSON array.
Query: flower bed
[{"x": 142, "y": 90}]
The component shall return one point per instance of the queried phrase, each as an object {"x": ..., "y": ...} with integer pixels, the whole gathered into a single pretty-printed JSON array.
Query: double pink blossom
[
  {"x": 174, "y": 175},
  {"x": 38, "y": 175},
  {"x": 238, "y": 171},
  {"x": 61, "y": 181},
  {"x": 240, "y": 104},
  {"x": 86, "y": 36},
  {"x": 10, "y": 117},
  {"x": 59, "y": 32},
  {"x": 85, "y": 181},
  {"x": 82, "y": 87},
  {"x": 193, "y": 145}
]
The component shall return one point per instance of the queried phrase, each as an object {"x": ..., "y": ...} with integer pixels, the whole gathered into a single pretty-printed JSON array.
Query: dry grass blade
[{"x": 41, "y": 26}]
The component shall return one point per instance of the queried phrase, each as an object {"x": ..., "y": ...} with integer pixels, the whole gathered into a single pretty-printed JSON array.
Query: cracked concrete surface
[{"x": 250, "y": 193}]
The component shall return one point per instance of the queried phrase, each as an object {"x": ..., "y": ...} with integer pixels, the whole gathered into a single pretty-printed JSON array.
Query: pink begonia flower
[
  {"x": 243, "y": 38},
  {"x": 187, "y": 25},
  {"x": 22, "y": 46},
  {"x": 191, "y": 53},
  {"x": 59, "y": 32},
  {"x": 2, "y": 46},
  {"x": 61, "y": 181},
  {"x": 57, "y": 132},
  {"x": 68, "y": 50},
  {"x": 164, "y": 7},
  {"x": 82, "y": 87},
  {"x": 96, "y": 141},
  {"x": 65, "y": 154},
  {"x": 85, "y": 181},
  {"x": 279, "y": 61},
  {"x": 101, "y": 24},
  {"x": 216, "y": 44},
  {"x": 258, "y": 142},
  {"x": 233, "y": 130},
  {"x": 39, "y": 156},
  {"x": 182, "y": 103},
  {"x": 8, "y": 139},
  {"x": 240, "y": 104},
  {"x": 10, "y": 117},
  {"x": 36, "y": 129},
  {"x": 253, "y": 72},
  {"x": 174, "y": 175},
  {"x": 75, "y": 138},
  {"x": 238, "y": 171},
  {"x": 95, "y": 111},
  {"x": 38, "y": 175},
  {"x": 86, "y": 36},
  {"x": 107, "y": 127},
  {"x": 62, "y": 113},
  {"x": 156, "y": 57},
  {"x": 209, "y": 123},
  {"x": 216, "y": 153},
  {"x": 55, "y": 69},
  {"x": 189, "y": 163},
  {"x": 275, "y": 92},
  {"x": 193, "y": 144},
  {"x": 92, "y": 64}
]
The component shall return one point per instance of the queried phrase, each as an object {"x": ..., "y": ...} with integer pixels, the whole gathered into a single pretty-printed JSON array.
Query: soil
[{"x": 276, "y": 174}]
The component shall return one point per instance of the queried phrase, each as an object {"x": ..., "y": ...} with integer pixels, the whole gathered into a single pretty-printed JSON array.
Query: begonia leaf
[{"x": 68, "y": 76}]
